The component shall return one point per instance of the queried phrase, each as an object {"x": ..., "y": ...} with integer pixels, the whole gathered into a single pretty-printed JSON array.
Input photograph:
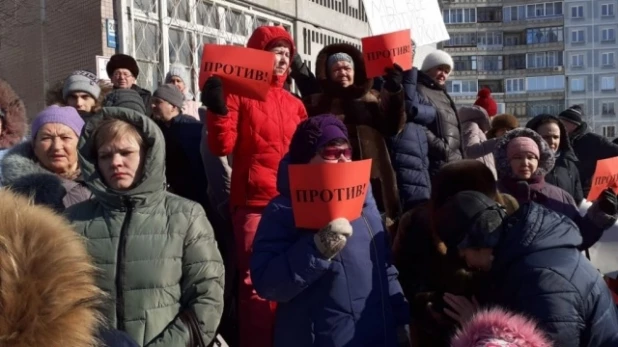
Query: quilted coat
[
  {"x": 564, "y": 174},
  {"x": 353, "y": 300},
  {"x": 371, "y": 122},
  {"x": 537, "y": 190},
  {"x": 257, "y": 133},
  {"x": 156, "y": 251},
  {"x": 409, "y": 149},
  {"x": 539, "y": 271}
]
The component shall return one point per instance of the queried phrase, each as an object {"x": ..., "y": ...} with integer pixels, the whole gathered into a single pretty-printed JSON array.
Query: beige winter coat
[{"x": 474, "y": 123}]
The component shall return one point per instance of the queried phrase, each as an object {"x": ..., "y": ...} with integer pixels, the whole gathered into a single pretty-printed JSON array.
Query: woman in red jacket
[{"x": 257, "y": 134}]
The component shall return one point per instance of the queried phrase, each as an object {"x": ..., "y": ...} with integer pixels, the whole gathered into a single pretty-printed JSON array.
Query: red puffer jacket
[{"x": 257, "y": 133}]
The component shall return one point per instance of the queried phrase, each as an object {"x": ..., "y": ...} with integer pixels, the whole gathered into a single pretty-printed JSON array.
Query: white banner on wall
[
  {"x": 101, "y": 67},
  {"x": 423, "y": 17}
]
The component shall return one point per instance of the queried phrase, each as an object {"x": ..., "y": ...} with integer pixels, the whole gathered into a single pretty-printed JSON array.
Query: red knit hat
[{"x": 485, "y": 101}]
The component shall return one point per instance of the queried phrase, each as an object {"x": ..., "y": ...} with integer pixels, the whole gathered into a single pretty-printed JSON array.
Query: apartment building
[
  {"x": 514, "y": 48},
  {"x": 590, "y": 56},
  {"x": 50, "y": 38}
]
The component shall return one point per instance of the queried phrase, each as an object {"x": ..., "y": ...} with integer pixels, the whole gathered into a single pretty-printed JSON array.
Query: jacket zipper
[
  {"x": 120, "y": 265},
  {"x": 375, "y": 250}
]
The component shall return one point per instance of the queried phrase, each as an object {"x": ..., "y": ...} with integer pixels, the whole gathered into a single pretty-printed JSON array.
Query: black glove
[
  {"x": 297, "y": 62},
  {"x": 608, "y": 203},
  {"x": 393, "y": 78},
  {"x": 212, "y": 96}
]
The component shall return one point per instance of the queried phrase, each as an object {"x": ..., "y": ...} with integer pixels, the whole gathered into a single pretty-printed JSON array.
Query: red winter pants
[{"x": 256, "y": 315}]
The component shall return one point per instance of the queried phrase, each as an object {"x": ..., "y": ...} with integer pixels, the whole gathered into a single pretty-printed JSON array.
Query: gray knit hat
[
  {"x": 127, "y": 98},
  {"x": 178, "y": 70},
  {"x": 170, "y": 94},
  {"x": 81, "y": 81},
  {"x": 337, "y": 57}
]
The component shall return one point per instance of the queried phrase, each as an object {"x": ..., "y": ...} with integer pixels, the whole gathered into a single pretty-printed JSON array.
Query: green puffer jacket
[{"x": 156, "y": 250}]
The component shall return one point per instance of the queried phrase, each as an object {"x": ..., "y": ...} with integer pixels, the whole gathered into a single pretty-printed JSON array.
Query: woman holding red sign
[
  {"x": 370, "y": 119},
  {"x": 257, "y": 134},
  {"x": 335, "y": 286}
]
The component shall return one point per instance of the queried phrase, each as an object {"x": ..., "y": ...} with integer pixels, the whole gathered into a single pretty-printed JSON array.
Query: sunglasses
[{"x": 336, "y": 153}]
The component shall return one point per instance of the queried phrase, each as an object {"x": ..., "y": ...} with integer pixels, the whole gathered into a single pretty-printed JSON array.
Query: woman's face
[
  {"x": 341, "y": 153},
  {"x": 120, "y": 162},
  {"x": 342, "y": 72},
  {"x": 440, "y": 74},
  {"x": 55, "y": 146},
  {"x": 178, "y": 83},
  {"x": 524, "y": 165},
  {"x": 478, "y": 258},
  {"x": 282, "y": 59},
  {"x": 550, "y": 132}
]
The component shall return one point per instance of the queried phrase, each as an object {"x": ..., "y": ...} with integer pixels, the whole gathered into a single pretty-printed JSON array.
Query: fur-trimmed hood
[
  {"x": 15, "y": 122},
  {"x": 23, "y": 174},
  {"x": 362, "y": 85},
  {"x": 565, "y": 144},
  {"x": 503, "y": 167},
  {"x": 497, "y": 327},
  {"x": 47, "y": 282}
]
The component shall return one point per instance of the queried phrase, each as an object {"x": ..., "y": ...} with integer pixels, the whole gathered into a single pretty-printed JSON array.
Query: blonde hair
[{"x": 114, "y": 129}]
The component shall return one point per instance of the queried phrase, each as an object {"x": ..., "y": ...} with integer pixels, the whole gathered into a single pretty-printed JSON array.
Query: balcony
[
  {"x": 524, "y": 48},
  {"x": 535, "y": 96},
  {"x": 532, "y": 23}
]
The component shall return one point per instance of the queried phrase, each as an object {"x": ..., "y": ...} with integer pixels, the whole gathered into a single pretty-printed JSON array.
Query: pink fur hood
[{"x": 499, "y": 328}]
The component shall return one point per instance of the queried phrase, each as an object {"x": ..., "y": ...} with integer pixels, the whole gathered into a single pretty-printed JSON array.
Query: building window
[
  {"x": 577, "y": 60},
  {"x": 543, "y": 60},
  {"x": 577, "y": 36},
  {"x": 608, "y": 35},
  {"x": 515, "y": 62},
  {"x": 517, "y": 109},
  {"x": 550, "y": 107},
  {"x": 489, "y": 14},
  {"x": 490, "y": 63},
  {"x": 462, "y": 40},
  {"x": 607, "y": 59},
  {"x": 577, "y": 12},
  {"x": 577, "y": 85},
  {"x": 608, "y": 108},
  {"x": 539, "y": 10},
  {"x": 459, "y": 15},
  {"x": 607, "y": 10},
  {"x": 461, "y": 87},
  {"x": 514, "y": 13},
  {"x": 544, "y": 83},
  {"x": 544, "y": 35},
  {"x": 490, "y": 39},
  {"x": 515, "y": 85},
  {"x": 463, "y": 63},
  {"x": 608, "y": 83},
  {"x": 609, "y": 131}
]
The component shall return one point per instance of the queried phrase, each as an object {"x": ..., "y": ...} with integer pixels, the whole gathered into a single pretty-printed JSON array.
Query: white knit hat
[
  {"x": 437, "y": 58},
  {"x": 178, "y": 70}
]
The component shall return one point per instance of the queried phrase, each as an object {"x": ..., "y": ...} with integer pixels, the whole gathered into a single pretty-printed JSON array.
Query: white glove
[{"x": 331, "y": 239}]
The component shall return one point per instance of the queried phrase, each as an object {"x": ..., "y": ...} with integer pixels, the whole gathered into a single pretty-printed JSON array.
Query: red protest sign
[
  {"x": 323, "y": 192},
  {"x": 383, "y": 51},
  {"x": 244, "y": 71},
  {"x": 605, "y": 176}
]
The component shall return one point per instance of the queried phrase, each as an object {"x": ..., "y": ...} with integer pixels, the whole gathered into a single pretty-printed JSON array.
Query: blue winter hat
[
  {"x": 337, "y": 57},
  {"x": 313, "y": 134}
]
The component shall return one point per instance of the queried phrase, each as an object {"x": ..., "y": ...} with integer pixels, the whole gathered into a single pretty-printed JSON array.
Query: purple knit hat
[
  {"x": 312, "y": 134},
  {"x": 55, "y": 114}
]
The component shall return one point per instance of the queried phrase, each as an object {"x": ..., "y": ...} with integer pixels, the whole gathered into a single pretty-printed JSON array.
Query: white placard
[
  {"x": 423, "y": 17},
  {"x": 101, "y": 67}
]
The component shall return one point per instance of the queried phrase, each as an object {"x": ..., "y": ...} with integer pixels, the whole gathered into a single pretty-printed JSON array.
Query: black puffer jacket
[
  {"x": 564, "y": 174},
  {"x": 589, "y": 148},
  {"x": 444, "y": 134}
]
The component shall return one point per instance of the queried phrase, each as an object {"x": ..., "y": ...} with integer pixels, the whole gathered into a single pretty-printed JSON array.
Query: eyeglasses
[
  {"x": 122, "y": 75},
  {"x": 336, "y": 153}
]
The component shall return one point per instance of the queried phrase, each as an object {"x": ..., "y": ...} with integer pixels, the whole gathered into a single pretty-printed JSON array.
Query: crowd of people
[{"x": 133, "y": 218}]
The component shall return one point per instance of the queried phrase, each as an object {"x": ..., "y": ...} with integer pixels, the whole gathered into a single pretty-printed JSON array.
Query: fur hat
[
  {"x": 497, "y": 327},
  {"x": 437, "y": 58},
  {"x": 122, "y": 61},
  {"x": 546, "y": 155},
  {"x": 505, "y": 122},
  {"x": 312, "y": 134},
  {"x": 485, "y": 101},
  {"x": 13, "y": 114}
]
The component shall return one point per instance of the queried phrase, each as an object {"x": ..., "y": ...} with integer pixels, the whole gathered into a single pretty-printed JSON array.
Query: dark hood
[
  {"x": 533, "y": 228},
  {"x": 362, "y": 85},
  {"x": 152, "y": 185},
  {"x": 565, "y": 145},
  {"x": 503, "y": 167}
]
